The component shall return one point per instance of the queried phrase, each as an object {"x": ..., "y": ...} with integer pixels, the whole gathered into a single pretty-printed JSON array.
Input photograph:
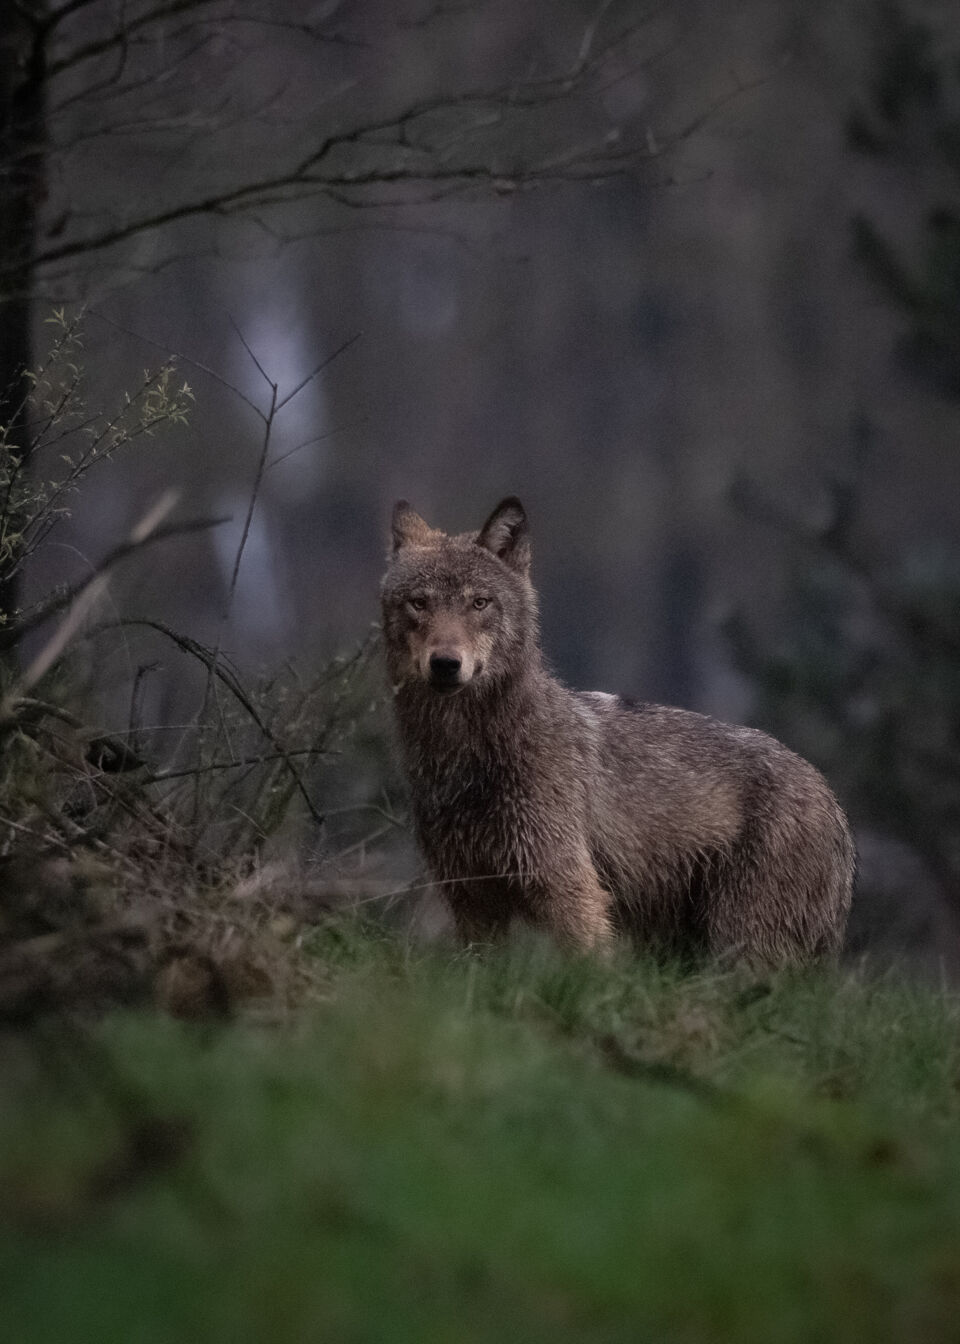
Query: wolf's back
[{"x": 699, "y": 825}]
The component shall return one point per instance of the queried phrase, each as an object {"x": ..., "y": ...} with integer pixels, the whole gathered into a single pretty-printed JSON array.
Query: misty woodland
[{"x": 553, "y": 936}]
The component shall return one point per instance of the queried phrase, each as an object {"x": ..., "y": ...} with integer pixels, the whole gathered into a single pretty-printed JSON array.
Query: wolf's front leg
[{"x": 572, "y": 904}]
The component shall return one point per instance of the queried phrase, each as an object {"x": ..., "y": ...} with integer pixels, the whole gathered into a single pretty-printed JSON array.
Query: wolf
[{"x": 581, "y": 812}]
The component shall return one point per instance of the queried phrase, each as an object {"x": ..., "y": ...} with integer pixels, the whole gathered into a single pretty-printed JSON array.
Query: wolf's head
[{"x": 459, "y": 611}]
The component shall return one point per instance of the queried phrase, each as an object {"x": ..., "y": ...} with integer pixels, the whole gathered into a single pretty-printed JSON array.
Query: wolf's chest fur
[{"x": 474, "y": 807}]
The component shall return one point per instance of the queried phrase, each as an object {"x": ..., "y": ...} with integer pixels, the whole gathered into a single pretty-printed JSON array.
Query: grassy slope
[{"x": 517, "y": 1148}]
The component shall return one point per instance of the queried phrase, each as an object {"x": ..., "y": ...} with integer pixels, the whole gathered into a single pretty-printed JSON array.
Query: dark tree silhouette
[
  {"x": 152, "y": 122},
  {"x": 862, "y": 671},
  {"x": 910, "y": 119}
]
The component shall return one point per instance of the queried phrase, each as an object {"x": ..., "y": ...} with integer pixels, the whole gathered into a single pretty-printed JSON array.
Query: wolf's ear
[
  {"x": 506, "y": 534},
  {"x": 408, "y": 527}
]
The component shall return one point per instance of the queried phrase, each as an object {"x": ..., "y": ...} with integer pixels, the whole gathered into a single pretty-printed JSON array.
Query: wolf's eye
[
  {"x": 417, "y": 603},
  {"x": 480, "y": 602}
]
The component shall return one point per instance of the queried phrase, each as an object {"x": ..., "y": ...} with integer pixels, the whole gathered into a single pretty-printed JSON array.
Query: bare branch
[
  {"x": 324, "y": 363},
  {"x": 246, "y": 346},
  {"x": 162, "y": 776},
  {"x": 14, "y": 634},
  {"x": 121, "y": 34},
  {"x": 326, "y": 170},
  {"x": 213, "y": 661},
  {"x": 179, "y": 356}
]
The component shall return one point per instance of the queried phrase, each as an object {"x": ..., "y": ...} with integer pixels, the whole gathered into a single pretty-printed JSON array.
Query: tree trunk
[{"x": 22, "y": 156}]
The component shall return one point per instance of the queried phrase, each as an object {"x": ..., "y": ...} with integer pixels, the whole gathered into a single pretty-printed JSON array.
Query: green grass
[{"x": 510, "y": 1148}]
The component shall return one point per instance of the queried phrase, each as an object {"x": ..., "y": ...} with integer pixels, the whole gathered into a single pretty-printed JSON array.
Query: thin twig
[
  {"x": 324, "y": 363},
  {"x": 81, "y": 601},
  {"x": 161, "y": 776},
  {"x": 12, "y": 635},
  {"x": 232, "y": 684}
]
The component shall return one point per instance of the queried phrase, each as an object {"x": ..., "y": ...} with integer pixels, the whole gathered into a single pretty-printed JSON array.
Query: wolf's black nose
[{"x": 444, "y": 668}]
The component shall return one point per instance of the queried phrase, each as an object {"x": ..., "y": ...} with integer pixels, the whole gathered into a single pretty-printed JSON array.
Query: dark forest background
[{"x": 685, "y": 278}]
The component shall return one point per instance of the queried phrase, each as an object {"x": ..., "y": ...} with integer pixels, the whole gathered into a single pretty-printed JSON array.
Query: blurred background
[{"x": 685, "y": 278}]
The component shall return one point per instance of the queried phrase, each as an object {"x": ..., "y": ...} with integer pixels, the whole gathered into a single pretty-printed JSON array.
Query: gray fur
[{"x": 580, "y": 812}]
